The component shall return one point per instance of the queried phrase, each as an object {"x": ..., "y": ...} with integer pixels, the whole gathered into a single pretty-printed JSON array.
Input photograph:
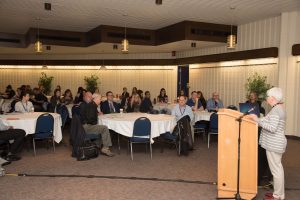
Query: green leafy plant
[
  {"x": 259, "y": 85},
  {"x": 91, "y": 83},
  {"x": 46, "y": 82}
]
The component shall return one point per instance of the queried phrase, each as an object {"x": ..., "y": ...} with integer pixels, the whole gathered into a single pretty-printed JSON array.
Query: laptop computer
[{"x": 245, "y": 107}]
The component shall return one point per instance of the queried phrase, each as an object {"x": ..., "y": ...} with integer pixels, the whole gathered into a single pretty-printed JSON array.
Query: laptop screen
[{"x": 245, "y": 107}]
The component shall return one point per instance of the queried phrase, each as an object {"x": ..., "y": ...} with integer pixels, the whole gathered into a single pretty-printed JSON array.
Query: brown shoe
[{"x": 107, "y": 152}]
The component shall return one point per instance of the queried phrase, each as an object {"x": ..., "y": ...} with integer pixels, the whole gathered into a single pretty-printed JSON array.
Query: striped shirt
[{"x": 272, "y": 136}]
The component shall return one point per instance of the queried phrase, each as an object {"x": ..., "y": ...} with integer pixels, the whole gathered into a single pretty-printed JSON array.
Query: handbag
[{"x": 87, "y": 151}]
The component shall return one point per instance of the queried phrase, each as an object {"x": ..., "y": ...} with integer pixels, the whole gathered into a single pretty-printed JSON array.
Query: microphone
[{"x": 246, "y": 113}]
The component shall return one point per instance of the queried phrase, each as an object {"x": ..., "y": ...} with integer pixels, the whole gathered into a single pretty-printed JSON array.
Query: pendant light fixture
[
  {"x": 125, "y": 43},
  {"x": 231, "y": 39},
  {"x": 38, "y": 44}
]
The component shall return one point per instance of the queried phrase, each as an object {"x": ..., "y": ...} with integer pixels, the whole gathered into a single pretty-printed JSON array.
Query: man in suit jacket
[{"x": 109, "y": 106}]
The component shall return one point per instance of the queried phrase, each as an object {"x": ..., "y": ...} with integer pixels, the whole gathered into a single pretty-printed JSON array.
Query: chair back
[
  {"x": 76, "y": 110},
  {"x": 213, "y": 123},
  {"x": 232, "y": 107},
  {"x": 142, "y": 127},
  {"x": 44, "y": 126}
]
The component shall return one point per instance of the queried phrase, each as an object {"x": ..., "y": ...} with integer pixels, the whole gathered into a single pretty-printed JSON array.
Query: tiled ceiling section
[{"x": 16, "y": 16}]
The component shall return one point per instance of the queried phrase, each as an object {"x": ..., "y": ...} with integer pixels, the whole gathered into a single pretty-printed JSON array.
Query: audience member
[
  {"x": 58, "y": 88},
  {"x": 146, "y": 105},
  {"x": 68, "y": 97},
  {"x": 9, "y": 92},
  {"x": 109, "y": 106},
  {"x": 140, "y": 93},
  {"x": 89, "y": 119},
  {"x": 79, "y": 95},
  {"x": 181, "y": 109},
  {"x": 135, "y": 104},
  {"x": 8, "y": 133},
  {"x": 194, "y": 102},
  {"x": 273, "y": 139},
  {"x": 202, "y": 99},
  {"x": 162, "y": 97},
  {"x": 24, "y": 105},
  {"x": 253, "y": 100},
  {"x": 214, "y": 104},
  {"x": 55, "y": 101},
  {"x": 39, "y": 100},
  {"x": 124, "y": 97}
]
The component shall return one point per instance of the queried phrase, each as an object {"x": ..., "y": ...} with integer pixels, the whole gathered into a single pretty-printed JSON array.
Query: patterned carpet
[{"x": 166, "y": 176}]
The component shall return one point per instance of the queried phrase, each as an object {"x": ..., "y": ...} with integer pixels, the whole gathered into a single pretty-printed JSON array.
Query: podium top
[{"x": 235, "y": 114}]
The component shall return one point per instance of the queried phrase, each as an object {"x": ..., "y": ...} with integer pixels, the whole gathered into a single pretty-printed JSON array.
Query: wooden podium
[{"x": 228, "y": 132}]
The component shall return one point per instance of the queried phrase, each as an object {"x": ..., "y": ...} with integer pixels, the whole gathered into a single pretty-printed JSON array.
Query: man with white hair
[
  {"x": 214, "y": 103},
  {"x": 89, "y": 119},
  {"x": 273, "y": 139}
]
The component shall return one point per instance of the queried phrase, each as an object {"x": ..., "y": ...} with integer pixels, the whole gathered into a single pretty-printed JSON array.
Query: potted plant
[
  {"x": 46, "y": 82},
  {"x": 259, "y": 85},
  {"x": 91, "y": 83}
]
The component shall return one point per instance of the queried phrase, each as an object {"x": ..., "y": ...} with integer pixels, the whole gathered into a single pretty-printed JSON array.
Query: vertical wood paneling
[
  {"x": 296, "y": 121},
  {"x": 229, "y": 81},
  {"x": 113, "y": 80}
]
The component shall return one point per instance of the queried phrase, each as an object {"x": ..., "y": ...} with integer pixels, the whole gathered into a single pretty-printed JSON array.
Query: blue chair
[
  {"x": 201, "y": 127},
  {"x": 213, "y": 126},
  {"x": 76, "y": 110},
  {"x": 141, "y": 133},
  {"x": 44, "y": 129}
]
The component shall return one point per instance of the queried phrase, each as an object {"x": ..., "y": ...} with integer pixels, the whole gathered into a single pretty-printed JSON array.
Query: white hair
[
  {"x": 275, "y": 92},
  {"x": 96, "y": 95}
]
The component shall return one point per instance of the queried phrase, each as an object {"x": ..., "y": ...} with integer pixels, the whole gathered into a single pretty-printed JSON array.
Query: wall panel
[
  {"x": 229, "y": 81},
  {"x": 114, "y": 80}
]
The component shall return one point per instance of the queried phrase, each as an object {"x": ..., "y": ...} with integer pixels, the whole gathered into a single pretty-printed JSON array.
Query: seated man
[
  {"x": 9, "y": 133},
  {"x": 39, "y": 100},
  {"x": 89, "y": 119},
  {"x": 214, "y": 104},
  {"x": 194, "y": 102},
  {"x": 109, "y": 106},
  {"x": 146, "y": 105},
  {"x": 181, "y": 109}
]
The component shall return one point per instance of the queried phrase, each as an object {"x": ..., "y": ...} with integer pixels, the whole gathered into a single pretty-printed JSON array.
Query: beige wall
[
  {"x": 112, "y": 79},
  {"x": 229, "y": 81}
]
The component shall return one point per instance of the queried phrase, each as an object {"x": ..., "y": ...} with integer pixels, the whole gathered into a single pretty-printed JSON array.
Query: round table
[
  {"x": 27, "y": 122},
  {"x": 122, "y": 123},
  {"x": 202, "y": 115}
]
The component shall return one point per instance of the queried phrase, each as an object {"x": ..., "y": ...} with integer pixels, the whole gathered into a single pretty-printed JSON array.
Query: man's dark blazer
[{"x": 105, "y": 107}]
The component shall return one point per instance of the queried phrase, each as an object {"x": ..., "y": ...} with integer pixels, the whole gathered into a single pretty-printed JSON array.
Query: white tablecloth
[
  {"x": 202, "y": 115},
  {"x": 123, "y": 123},
  {"x": 27, "y": 122},
  {"x": 164, "y": 106}
]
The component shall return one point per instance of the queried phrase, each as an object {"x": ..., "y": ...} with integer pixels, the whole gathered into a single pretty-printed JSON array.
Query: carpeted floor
[{"x": 190, "y": 177}]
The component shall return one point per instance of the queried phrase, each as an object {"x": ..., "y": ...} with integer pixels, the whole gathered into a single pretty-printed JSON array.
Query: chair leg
[
  {"x": 146, "y": 148},
  {"x": 150, "y": 150},
  {"x": 119, "y": 143},
  {"x": 208, "y": 138},
  {"x": 131, "y": 151},
  {"x": 53, "y": 145},
  {"x": 33, "y": 142}
]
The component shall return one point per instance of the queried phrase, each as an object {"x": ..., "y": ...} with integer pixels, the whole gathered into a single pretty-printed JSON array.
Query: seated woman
[
  {"x": 24, "y": 105},
  {"x": 201, "y": 99},
  {"x": 135, "y": 104},
  {"x": 253, "y": 100},
  {"x": 79, "y": 96},
  {"x": 55, "y": 101},
  {"x": 68, "y": 97},
  {"x": 162, "y": 97}
]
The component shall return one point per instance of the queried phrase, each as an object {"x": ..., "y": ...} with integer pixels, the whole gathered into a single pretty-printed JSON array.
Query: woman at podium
[{"x": 273, "y": 139}]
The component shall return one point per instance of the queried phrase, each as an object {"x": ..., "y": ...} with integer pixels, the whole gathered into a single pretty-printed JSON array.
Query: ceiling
[{"x": 17, "y": 16}]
